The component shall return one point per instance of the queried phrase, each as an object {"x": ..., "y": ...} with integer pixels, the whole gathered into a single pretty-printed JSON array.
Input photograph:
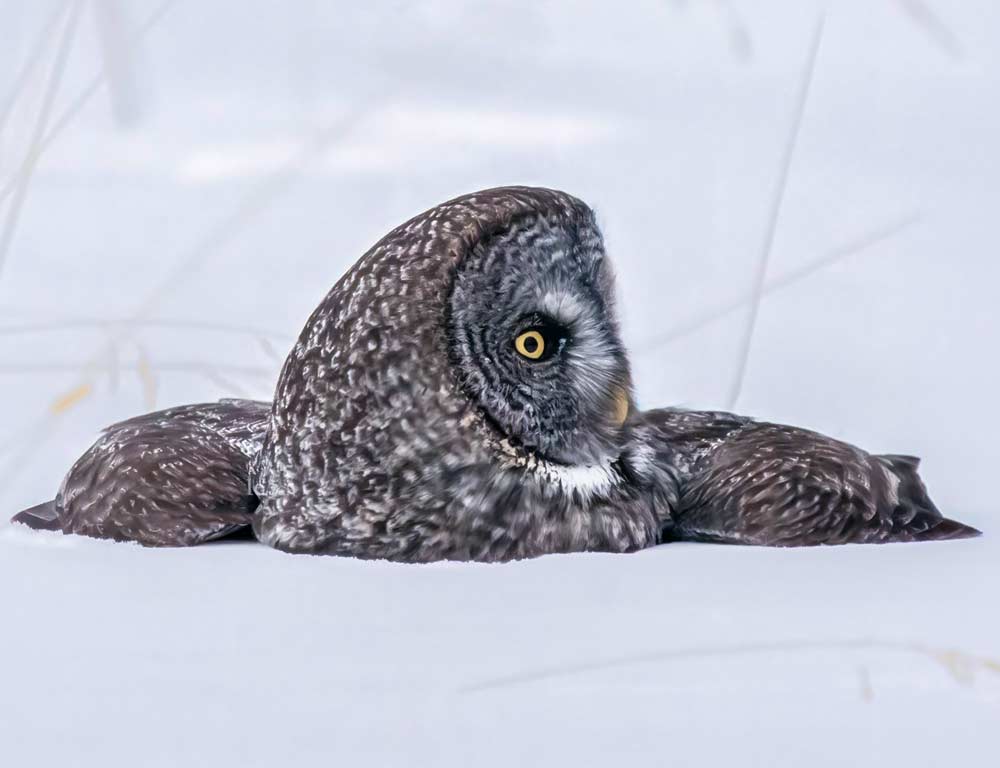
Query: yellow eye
[{"x": 530, "y": 344}]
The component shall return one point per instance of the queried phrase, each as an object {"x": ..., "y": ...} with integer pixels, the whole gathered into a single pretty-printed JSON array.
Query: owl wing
[
  {"x": 171, "y": 478},
  {"x": 773, "y": 485}
]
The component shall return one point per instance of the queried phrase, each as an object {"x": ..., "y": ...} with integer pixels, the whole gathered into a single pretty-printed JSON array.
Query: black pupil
[{"x": 531, "y": 345}]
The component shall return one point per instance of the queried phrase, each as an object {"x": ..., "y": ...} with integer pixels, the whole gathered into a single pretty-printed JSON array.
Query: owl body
[
  {"x": 397, "y": 433},
  {"x": 463, "y": 393}
]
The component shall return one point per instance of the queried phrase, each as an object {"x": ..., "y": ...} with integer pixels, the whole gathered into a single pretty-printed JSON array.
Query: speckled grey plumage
[{"x": 405, "y": 426}]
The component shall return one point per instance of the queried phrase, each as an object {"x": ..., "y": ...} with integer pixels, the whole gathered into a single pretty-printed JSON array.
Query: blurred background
[
  {"x": 801, "y": 200},
  {"x": 801, "y": 205}
]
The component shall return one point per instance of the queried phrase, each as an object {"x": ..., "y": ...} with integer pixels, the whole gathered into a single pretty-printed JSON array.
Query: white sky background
[{"x": 165, "y": 233}]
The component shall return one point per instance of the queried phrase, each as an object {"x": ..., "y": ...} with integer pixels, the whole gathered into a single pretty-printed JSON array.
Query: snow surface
[{"x": 179, "y": 228}]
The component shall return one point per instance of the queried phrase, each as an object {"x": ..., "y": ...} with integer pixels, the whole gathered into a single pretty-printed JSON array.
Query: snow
[
  {"x": 173, "y": 238},
  {"x": 688, "y": 654}
]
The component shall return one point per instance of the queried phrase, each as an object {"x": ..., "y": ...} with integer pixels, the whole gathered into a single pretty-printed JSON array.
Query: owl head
[{"x": 533, "y": 337}]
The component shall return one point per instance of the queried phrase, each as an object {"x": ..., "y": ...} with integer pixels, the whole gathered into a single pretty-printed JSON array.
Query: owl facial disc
[{"x": 535, "y": 340}]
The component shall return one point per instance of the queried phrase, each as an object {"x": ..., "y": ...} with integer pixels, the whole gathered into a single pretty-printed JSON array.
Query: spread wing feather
[
  {"x": 767, "y": 484},
  {"x": 171, "y": 478}
]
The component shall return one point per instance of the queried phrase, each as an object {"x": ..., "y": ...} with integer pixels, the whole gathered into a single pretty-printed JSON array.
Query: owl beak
[{"x": 620, "y": 406}]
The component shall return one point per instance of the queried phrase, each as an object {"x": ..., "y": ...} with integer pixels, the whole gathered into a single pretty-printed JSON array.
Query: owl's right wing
[
  {"x": 748, "y": 482},
  {"x": 171, "y": 478}
]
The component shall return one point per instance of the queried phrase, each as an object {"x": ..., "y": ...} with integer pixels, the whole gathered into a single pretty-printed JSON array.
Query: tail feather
[
  {"x": 947, "y": 529},
  {"x": 43, "y": 517},
  {"x": 915, "y": 516}
]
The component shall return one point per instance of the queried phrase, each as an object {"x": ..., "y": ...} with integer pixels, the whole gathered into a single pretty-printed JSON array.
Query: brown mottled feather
[
  {"x": 171, "y": 478},
  {"x": 747, "y": 482}
]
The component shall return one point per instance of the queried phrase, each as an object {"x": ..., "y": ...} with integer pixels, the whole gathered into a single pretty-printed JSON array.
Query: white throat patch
[{"x": 587, "y": 480}]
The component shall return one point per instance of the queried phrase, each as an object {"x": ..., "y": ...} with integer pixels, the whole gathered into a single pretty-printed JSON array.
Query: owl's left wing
[
  {"x": 171, "y": 478},
  {"x": 748, "y": 482}
]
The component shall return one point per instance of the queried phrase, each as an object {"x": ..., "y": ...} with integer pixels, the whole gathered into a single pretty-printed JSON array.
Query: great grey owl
[{"x": 463, "y": 393}]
